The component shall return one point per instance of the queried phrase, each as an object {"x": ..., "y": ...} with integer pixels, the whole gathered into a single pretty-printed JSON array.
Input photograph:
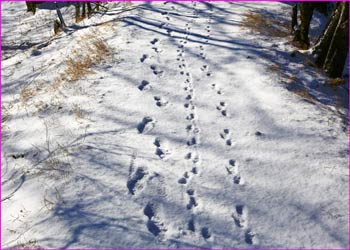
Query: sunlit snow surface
[{"x": 181, "y": 137}]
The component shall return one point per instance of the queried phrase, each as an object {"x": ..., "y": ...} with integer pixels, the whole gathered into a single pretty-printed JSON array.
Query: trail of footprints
[{"x": 137, "y": 180}]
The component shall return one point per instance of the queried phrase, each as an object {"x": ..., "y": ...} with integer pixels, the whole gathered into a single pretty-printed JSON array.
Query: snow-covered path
[{"x": 180, "y": 138}]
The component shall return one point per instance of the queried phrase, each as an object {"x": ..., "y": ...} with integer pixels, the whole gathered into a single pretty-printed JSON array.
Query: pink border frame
[{"x": 173, "y": 1}]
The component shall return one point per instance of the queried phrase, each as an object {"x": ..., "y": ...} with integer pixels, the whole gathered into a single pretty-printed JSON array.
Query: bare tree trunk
[
  {"x": 294, "y": 18},
  {"x": 83, "y": 14},
  {"x": 338, "y": 49},
  {"x": 321, "y": 47},
  {"x": 59, "y": 14},
  {"x": 306, "y": 11},
  {"x": 31, "y": 7},
  {"x": 89, "y": 8},
  {"x": 77, "y": 11}
]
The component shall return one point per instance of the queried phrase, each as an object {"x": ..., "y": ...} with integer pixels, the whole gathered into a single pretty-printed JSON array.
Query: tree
[
  {"x": 331, "y": 49},
  {"x": 301, "y": 35}
]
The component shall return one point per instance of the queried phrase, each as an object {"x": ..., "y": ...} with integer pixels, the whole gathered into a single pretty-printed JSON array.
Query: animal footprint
[
  {"x": 154, "y": 225},
  {"x": 204, "y": 67},
  {"x": 136, "y": 183},
  {"x": 156, "y": 70},
  {"x": 191, "y": 225},
  {"x": 162, "y": 147},
  {"x": 190, "y": 117},
  {"x": 154, "y": 41},
  {"x": 146, "y": 125},
  {"x": 240, "y": 216},
  {"x": 143, "y": 58},
  {"x": 157, "y": 50},
  {"x": 192, "y": 203},
  {"x": 192, "y": 141},
  {"x": 160, "y": 102},
  {"x": 183, "y": 180},
  {"x": 226, "y": 136},
  {"x": 144, "y": 85},
  {"x": 250, "y": 237},
  {"x": 233, "y": 167},
  {"x": 222, "y": 108},
  {"x": 237, "y": 179},
  {"x": 206, "y": 233}
]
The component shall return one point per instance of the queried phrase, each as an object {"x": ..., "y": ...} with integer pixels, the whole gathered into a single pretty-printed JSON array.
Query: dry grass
[
  {"x": 77, "y": 68},
  {"x": 303, "y": 93},
  {"x": 336, "y": 81},
  {"x": 25, "y": 94},
  {"x": 265, "y": 25},
  {"x": 78, "y": 112},
  {"x": 92, "y": 52},
  {"x": 274, "y": 68}
]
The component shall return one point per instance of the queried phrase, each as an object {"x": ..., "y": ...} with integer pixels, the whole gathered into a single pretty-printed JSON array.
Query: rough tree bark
[
  {"x": 306, "y": 11},
  {"x": 294, "y": 18},
  {"x": 83, "y": 14},
  {"x": 338, "y": 48},
  {"x": 77, "y": 11},
  {"x": 31, "y": 7},
  {"x": 324, "y": 40},
  {"x": 89, "y": 8}
]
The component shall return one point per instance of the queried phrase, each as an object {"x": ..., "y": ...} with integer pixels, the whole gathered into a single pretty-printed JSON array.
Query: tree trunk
[
  {"x": 77, "y": 11},
  {"x": 323, "y": 44},
  {"x": 83, "y": 14},
  {"x": 306, "y": 11},
  {"x": 59, "y": 14},
  {"x": 89, "y": 8},
  {"x": 294, "y": 18},
  {"x": 31, "y": 7},
  {"x": 338, "y": 49}
]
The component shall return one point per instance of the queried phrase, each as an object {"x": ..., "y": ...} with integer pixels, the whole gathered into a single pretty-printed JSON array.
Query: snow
[{"x": 182, "y": 136}]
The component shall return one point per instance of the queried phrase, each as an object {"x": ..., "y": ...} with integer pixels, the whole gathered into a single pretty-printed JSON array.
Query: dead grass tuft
[
  {"x": 77, "y": 68},
  {"x": 336, "y": 81},
  {"x": 26, "y": 93},
  {"x": 265, "y": 25},
  {"x": 303, "y": 93},
  {"x": 94, "y": 50}
]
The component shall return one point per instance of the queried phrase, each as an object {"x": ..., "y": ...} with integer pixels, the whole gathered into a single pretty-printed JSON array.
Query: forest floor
[{"x": 178, "y": 124}]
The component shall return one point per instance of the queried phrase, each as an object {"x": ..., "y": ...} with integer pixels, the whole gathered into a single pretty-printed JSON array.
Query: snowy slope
[{"x": 180, "y": 137}]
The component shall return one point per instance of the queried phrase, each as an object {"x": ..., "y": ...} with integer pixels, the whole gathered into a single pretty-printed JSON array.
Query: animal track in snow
[
  {"x": 144, "y": 85},
  {"x": 237, "y": 179},
  {"x": 154, "y": 41},
  {"x": 240, "y": 216},
  {"x": 190, "y": 117},
  {"x": 250, "y": 237},
  {"x": 160, "y": 102},
  {"x": 232, "y": 168},
  {"x": 157, "y": 50},
  {"x": 222, "y": 108},
  {"x": 162, "y": 147},
  {"x": 143, "y": 58},
  {"x": 191, "y": 225},
  {"x": 205, "y": 232},
  {"x": 154, "y": 225},
  {"x": 192, "y": 141},
  {"x": 226, "y": 135},
  {"x": 183, "y": 180},
  {"x": 146, "y": 125},
  {"x": 136, "y": 182},
  {"x": 156, "y": 70},
  {"x": 204, "y": 67},
  {"x": 192, "y": 202}
]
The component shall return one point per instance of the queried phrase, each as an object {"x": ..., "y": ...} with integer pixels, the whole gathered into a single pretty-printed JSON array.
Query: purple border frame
[{"x": 175, "y": 1}]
